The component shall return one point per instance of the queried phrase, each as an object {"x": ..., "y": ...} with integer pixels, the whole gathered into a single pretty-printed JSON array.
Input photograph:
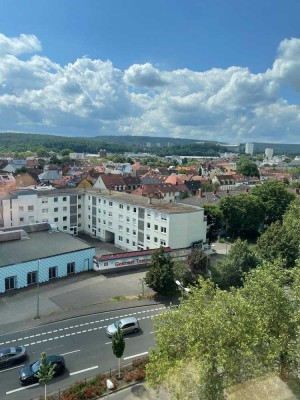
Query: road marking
[
  {"x": 83, "y": 370},
  {"x": 71, "y": 352},
  {"x": 22, "y": 388},
  {"x": 85, "y": 324},
  {"x": 135, "y": 355},
  {"x": 8, "y": 369}
]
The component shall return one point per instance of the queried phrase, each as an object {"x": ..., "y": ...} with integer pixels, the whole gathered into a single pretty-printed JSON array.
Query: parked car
[
  {"x": 127, "y": 325},
  {"x": 12, "y": 355},
  {"x": 27, "y": 373}
]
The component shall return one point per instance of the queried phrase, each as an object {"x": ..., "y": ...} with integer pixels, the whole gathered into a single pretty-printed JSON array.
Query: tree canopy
[
  {"x": 275, "y": 198},
  {"x": 243, "y": 214},
  {"x": 160, "y": 276},
  {"x": 247, "y": 167},
  {"x": 221, "y": 338}
]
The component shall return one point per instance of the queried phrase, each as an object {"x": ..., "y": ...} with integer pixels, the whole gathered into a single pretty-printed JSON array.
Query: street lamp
[
  {"x": 109, "y": 385},
  {"x": 38, "y": 292},
  {"x": 183, "y": 289}
]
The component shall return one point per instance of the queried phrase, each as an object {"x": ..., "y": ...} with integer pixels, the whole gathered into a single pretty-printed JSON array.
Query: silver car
[
  {"x": 12, "y": 355},
  {"x": 127, "y": 325}
]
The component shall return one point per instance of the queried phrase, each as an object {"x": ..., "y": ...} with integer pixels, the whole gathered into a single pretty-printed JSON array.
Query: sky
[{"x": 201, "y": 69}]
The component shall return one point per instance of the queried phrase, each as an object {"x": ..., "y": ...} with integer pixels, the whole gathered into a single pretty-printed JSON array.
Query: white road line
[
  {"x": 83, "y": 370},
  {"x": 71, "y": 352},
  {"x": 8, "y": 369},
  {"x": 135, "y": 355},
  {"x": 22, "y": 388}
]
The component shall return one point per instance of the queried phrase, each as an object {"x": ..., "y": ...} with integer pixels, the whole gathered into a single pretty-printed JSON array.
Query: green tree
[
  {"x": 160, "y": 276},
  {"x": 275, "y": 198},
  {"x": 230, "y": 271},
  {"x": 198, "y": 261},
  {"x": 247, "y": 167},
  {"x": 291, "y": 219},
  {"x": 65, "y": 152},
  {"x": 182, "y": 273},
  {"x": 46, "y": 372},
  {"x": 214, "y": 221},
  {"x": 278, "y": 242},
  {"x": 225, "y": 337},
  {"x": 118, "y": 346},
  {"x": 243, "y": 215},
  {"x": 42, "y": 152}
]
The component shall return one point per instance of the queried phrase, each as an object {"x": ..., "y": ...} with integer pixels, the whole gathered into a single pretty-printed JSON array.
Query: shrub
[{"x": 128, "y": 377}]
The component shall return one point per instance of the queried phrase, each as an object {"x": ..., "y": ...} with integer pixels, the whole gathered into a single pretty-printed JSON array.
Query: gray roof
[{"x": 39, "y": 245}]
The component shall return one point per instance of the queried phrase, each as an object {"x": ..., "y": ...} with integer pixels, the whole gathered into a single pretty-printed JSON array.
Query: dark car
[
  {"x": 27, "y": 373},
  {"x": 12, "y": 355}
]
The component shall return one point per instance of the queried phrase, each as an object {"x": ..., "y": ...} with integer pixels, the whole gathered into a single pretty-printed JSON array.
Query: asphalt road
[{"x": 83, "y": 343}]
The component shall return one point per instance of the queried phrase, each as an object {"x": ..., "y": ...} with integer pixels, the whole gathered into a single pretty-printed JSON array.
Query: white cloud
[
  {"x": 19, "y": 45},
  {"x": 287, "y": 65},
  {"x": 93, "y": 97}
]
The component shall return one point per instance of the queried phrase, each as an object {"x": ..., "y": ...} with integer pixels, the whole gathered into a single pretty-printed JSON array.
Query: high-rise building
[
  {"x": 249, "y": 148},
  {"x": 269, "y": 152}
]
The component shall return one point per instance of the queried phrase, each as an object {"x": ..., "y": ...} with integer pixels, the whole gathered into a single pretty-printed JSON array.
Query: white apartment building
[
  {"x": 269, "y": 152},
  {"x": 249, "y": 148},
  {"x": 130, "y": 222}
]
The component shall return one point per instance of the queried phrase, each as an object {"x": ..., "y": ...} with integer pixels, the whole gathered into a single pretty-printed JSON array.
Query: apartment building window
[
  {"x": 21, "y": 208},
  {"x": 134, "y": 244},
  {"x": 104, "y": 201},
  {"x": 127, "y": 230},
  {"x": 163, "y": 242},
  {"x": 31, "y": 277},
  {"x": 55, "y": 219},
  {"x": 89, "y": 226},
  {"x": 120, "y": 217},
  {"x": 79, "y": 197},
  {"x": 120, "y": 239},
  {"x": 128, "y": 208},
  {"x": 65, "y": 228},
  {"x": 44, "y": 201},
  {"x": 163, "y": 218},
  {"x": 55, "y": 199},
  {"x": 44, "y": 210},
  {"x": 134, "y": 209},
  {"x": 134, "y": 233},
  {"x": 99, "y": 200},
  {"x": 52, "y": 272},
  {"x": 120, "y": 227},
  {"x": 99, "y": 230},
  {"x": 89, "y": 217},
  {"x": 155, "y": 240},
  {"x": 163, "y": 229},
  {"x": 10, "y": 282},
  {"x": 134, "y": 221},
  {"x": 79, "y": 215},
  {"x": 56, "y": 209},
  {"x": 109, "y": 213},
  {"x": 148, "y": 225},
  {"x": 148, "y": 214},
  {"x": 70, "y": 268},
  {"x": 110, "y": 224},
  {"x": 65, "y": 208},
  {"x": 104, "y": 212},
  {"x": 127, "y": 241},
  {"x": 89, "y": 197},
  {"x": 127, "y": 219},
  {"x": 99, "y": 220},
  {"x": 99, "y": 211},
  {"x": 121, "y": 206},
  {"x": 21, "y": 219},
  {"x": 89, "y": 208},
  {"x": 30, "y": 208},
  {"x": 104, "y": 222},
  {"x": 148, "y": 237},
  {"x": 110, "y": 203},
  {"x": 79, "y": 206},
  {"x": 64, "y": 218},
  {"x": 64, "y": 199},
  {"x": 156, "y": 227}
]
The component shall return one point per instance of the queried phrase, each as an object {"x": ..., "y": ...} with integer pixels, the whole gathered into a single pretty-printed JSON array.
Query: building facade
[{"x": 130, "y": 222}]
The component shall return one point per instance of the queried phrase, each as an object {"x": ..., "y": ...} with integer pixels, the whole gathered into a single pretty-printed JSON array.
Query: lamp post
[
  {"x": 38, "y": 292},
  {"x": 183, "y": 289},
  {"x": 109, "y": 385}
]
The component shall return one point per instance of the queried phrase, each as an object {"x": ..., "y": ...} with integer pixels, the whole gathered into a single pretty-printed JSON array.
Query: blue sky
[{"x": 210, "y": 69}]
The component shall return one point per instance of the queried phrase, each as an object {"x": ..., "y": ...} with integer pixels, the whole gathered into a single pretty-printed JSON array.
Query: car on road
[
  {"x": 27, "y": 374},
  {"x": 127, "y": 325},
  {"x": 12, "y": 355}
]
